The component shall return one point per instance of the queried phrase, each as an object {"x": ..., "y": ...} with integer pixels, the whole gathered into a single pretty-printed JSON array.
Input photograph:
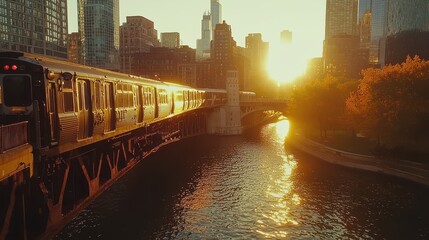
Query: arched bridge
[{"x": 249, "y": 106}]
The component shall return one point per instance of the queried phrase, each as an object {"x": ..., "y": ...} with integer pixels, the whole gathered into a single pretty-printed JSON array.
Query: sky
[{"x": 305, "y": 18}]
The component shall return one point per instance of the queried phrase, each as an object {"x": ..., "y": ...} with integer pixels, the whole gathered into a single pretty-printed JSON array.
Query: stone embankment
[{"x": 413, "y": 171}]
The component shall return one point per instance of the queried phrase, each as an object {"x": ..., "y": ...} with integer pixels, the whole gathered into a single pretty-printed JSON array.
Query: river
[{"x": 251, "y": 187}]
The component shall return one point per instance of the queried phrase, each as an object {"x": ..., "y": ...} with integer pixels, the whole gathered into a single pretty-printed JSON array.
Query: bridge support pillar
[{"x": 226, "y": 120}]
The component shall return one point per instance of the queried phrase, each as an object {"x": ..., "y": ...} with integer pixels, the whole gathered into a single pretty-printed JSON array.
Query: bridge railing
[
  {"x": 13, "y": 136},
  {"x": 264, "y": 100}
]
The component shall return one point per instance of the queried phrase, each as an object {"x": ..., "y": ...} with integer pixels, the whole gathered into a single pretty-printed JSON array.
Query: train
[
  {"x": 69, "y": 106},
  {"x": 68, "y": 131}
]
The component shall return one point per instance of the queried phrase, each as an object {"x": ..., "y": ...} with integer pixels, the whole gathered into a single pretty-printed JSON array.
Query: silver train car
[{"x": 69, "y": 106}]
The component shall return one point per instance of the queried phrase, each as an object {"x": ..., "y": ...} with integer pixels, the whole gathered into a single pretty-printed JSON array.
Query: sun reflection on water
[
  {"x": 280, "y": 192},
  {"x": 282, "y": 129}
]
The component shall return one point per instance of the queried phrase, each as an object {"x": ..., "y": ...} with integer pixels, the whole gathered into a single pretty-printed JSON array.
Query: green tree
[{"x": 321, "y": 102}]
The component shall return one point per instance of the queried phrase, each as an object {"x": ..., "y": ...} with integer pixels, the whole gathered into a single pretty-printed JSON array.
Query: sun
[{"x": 286, "y": 62}]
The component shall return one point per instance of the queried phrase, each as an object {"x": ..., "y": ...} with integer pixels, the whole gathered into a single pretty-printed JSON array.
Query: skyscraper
[
  {"x": 216, "y": 13},
  {"x": 364, "y": 7},
  {"x": 137, "y": 35},
  {"x": 222, "y": 52},
  {"x": 203, "y": 44},
  {"x": 170, "y": 39},
  {"x": 341, "y": 18},
  {"x": 34, "y": 26},
  {"x": 365, "y": 22},
  {"x": 286, "y": 37},
  {"x": 406, "y": 32},
  {"x": 378, "y": 30},
  {"x": 341, "y": 46},
  {"x": 74, "y": 48},
  {"x": 257, "y": 54},
  {"x": 98, "y": 22}
]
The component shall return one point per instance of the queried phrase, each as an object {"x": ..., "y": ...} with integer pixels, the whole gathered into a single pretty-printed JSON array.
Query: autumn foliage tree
[{"x": 392, "y": 104}]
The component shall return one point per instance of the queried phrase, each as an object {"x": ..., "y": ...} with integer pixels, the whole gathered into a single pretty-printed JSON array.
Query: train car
[
  {"x": 213, "y": 97},
  {"x": 86, "y": 127},
  {"x": 69, "y": 105},
  {"x": 247, "y": 96}
]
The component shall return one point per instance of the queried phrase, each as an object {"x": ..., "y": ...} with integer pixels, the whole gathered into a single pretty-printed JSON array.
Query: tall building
[
  {"x": 203, "y": 44},
  {"x": 216, "y": 13},
  {"x": 74, "y": 48},
  {"x": 34, "y": 26},
  {"x": 168, "y": 64},
  {"x": 170, "y": 39},
  {"x": 364, "y": 7},
  {"x": 98, "y": 22},
  {"x": 137, "y": 35},
  {"x": 341, "y": 46},
  {"x": 341, "y": 18},
  {"x": 365, "y": 22},
  {"x": 222, "y": 52},
  {"x": 378, "y": 31},
  {"x": 407, "y": 30},
  {"x": 286, "y": 37},
  {"x": 257, "y": 54}
]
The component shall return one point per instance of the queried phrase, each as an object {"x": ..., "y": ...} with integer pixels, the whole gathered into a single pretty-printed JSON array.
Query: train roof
[{"x": 59, "y": 65}]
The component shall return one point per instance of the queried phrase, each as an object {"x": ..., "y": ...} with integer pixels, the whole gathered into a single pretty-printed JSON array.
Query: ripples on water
[{"x": 252, "y": 187}]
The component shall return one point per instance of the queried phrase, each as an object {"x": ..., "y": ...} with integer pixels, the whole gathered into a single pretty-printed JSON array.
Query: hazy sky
[{"x": 305, "y": 18}]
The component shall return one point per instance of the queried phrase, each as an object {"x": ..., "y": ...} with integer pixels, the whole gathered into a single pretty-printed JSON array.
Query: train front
[{"x": 21, "y": 84}]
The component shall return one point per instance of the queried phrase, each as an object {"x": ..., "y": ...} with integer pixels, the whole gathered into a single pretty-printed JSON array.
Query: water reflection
[
  {"x": 252, "y": 187},
  {"x": 274, "y": 219},
  {"x": 282, "y": 129}
]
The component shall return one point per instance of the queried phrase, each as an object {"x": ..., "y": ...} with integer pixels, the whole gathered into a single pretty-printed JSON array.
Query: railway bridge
[{"x": 38, "y": 198}]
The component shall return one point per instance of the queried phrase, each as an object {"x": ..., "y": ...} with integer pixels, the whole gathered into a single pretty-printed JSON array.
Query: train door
[
  {"x": 109, "y": 107},
  {"x": 84, "y": 109},
  {"x": 172, "y": 102},
  {"x": 156, "y": 101},
  {"x": 53, "y": 113},
  {"x": 139, "y": 104},
  {"x": 185, "y": 100}
]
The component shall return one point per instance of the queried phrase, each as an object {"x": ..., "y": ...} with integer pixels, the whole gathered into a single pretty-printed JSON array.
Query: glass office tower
[
  {"x": 406, "y": 30},
  {"x": 216, "y": 13},
  {"x": 34, "y": 26},
  {"x": 99, "y": 29}
]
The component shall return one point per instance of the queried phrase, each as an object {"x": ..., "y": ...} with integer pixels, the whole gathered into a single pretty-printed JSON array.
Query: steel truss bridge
[{"x": 37, "y": 199}]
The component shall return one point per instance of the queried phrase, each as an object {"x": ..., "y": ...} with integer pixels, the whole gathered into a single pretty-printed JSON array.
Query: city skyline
[{"x": 308, "y": 28}]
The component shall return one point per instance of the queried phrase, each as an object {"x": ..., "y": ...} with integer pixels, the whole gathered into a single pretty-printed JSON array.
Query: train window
[
  {"x": 17, "y": 90},
  {"x": 79, "y": 93},
  {"x": 87, "y": 95},
  {"x": 119, "y": 95},
  {"x": 97, "y": 95},
  {"x": 68, "y": 104},
  {"x": 68, "y": 101},
  {"x": 67, "y": 84},
  {"x": 130, "y": 96},
  {"x": 162, "y": 96},
  {"x": 125, "y": 95},
  {"x": 148, "y": 96}
]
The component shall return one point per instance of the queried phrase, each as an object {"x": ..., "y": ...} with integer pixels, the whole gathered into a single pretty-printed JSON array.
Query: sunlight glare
[
  {"x": 282, "y": 129},
  {"x": 286, "y": 62}
]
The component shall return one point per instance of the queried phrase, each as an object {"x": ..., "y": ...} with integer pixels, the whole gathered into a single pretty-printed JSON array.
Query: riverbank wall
[{"x": 413, "y": 171}]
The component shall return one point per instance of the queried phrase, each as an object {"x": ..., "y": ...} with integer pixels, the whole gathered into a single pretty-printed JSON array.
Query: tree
[
  {"x": 393, "y": 103},
  {"x": 321, "y": 102}
]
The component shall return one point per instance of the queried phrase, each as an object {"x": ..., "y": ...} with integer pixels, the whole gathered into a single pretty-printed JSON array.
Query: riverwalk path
[{"x": 412, "y": 171}]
